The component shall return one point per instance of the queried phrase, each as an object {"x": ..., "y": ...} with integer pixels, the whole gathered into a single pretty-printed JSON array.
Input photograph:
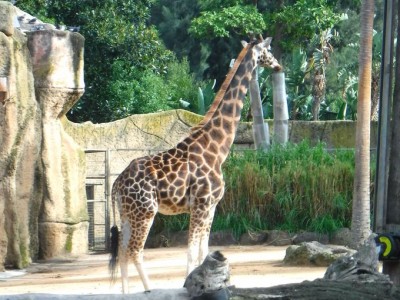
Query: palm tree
[
  {"x": 319, "y": 61},
  {"x": 360, "y": 225}
]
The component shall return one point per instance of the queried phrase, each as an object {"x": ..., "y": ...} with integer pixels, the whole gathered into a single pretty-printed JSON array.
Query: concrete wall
[{"x": 144, "y": 134}]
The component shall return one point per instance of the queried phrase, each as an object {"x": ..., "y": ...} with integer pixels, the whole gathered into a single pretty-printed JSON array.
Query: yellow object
[{"x": 385, "y": 240}]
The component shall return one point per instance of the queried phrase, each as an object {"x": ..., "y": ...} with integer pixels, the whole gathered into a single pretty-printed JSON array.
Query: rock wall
[
  {"x": 164, "y": 129},
  {"x": 42, "y": 170},
  {"x": 20, "y": 143}
]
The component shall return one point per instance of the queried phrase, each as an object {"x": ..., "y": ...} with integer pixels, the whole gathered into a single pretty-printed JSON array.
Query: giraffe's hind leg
[
  {"x": 124, "y": 253},
  {"x": 140, "y": 230},
  {"x": 142, "y": 272},
  {"x": 124, "y": 273}
]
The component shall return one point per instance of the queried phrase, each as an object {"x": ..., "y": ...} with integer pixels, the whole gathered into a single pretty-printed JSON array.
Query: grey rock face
[{"x": 314, "y": 253}]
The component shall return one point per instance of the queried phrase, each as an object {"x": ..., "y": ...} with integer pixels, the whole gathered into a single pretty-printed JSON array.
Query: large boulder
[
  {"x": 306, "y": 236},
  {"x": 279, "y": 238},
  {"x": 253, "y": 238},
  {"x": 342, "y": 237},
  {"x": 314, "y": 254}
]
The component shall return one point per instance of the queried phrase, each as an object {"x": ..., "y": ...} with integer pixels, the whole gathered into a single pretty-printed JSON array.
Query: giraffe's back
[{"x": 158, "y": 182}]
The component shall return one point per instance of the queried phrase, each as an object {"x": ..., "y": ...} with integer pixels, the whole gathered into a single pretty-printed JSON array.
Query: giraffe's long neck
[{"x": 219, "y": 129}]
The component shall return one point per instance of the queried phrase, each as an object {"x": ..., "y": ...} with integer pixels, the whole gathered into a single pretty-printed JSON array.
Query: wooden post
[
  {"x": 382, "y": 165},
  {"x": 388, "y": 208}
]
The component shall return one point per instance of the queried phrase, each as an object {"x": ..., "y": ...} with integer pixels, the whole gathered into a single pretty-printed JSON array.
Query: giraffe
[{"x": 186, "y": 178}]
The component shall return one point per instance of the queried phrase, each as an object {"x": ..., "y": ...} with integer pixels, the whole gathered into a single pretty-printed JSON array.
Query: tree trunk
[
  {"x": 393, "y": 192},
  {"x": 318, "y": 93},
  {"x": 260, "y": 129},
  {"x": 281, "y": 115},
  {"x": 375, "y": 96},
  {"x": 321, "y": 289},
  {"x": 361, "y": 198}
]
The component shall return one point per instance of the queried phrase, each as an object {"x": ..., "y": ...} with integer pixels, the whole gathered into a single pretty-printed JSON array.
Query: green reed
[{"x": 291, "y": 187}]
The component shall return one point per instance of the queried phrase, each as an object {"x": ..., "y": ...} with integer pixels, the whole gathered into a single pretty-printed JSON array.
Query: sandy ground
[{"x": 251, "y": 266}]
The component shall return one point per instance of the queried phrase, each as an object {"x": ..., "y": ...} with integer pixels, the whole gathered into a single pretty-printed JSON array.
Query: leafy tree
[
  {"x": 299, "y": 95},
  {"x": 221, "y": 25},
  {"x": 152, "y": 92},
  {"x": 117, "y": 37},
  {"x": 302, "y": 21},
  {"x": 172, "y": 19},
  {"x": 319, "y": 61},
  {"x": 241, "y": 19},
  {"x": 290, "y": 23}
]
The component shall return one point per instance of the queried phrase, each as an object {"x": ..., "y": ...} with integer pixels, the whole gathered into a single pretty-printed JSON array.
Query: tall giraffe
[{"x": 186, "y": 178}]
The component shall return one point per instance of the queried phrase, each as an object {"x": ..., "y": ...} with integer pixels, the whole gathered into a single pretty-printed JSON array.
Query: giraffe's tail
[{"x": 114, "y": 242}]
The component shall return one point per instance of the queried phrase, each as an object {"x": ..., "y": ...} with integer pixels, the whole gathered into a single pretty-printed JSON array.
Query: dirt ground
[{"x": 251, "y": 266}]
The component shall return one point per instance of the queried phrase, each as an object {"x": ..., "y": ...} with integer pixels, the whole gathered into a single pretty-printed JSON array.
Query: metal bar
[
  {"x": 107, "y": 197},
  {"x": 95, "y": 150},
  {"x": 95, "y": 177},
  {"x": 93, "y": 183},
  {"x": 381, "y": 176},
  {"x": 140, "y": 149}
]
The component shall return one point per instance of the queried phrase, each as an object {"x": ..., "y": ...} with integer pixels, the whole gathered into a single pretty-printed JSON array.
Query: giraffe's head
[{"x": 263, "y": 57}]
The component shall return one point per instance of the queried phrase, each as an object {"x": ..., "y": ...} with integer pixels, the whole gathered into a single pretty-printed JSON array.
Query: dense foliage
[
  {"x": 292, "y": 187},
  {"x": 128, "y": 70},
  {"x": 136, "y": 50}
]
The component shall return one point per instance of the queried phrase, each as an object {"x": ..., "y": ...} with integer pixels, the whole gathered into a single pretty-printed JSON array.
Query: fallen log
[{"x": 322, "y": 289}]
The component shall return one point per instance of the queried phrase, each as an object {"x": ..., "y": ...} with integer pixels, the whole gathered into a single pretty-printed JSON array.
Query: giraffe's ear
[
  {"x": 244, "y": 43},
  {"x": 267, "y": 42}
]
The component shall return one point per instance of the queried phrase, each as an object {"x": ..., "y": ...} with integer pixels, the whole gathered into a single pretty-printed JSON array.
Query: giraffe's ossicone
[{"x": 186, "y": 178}]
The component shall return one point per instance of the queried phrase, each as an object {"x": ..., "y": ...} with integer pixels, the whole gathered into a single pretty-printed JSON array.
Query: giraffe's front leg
[
  {"x": 205, "y": 237},
  {"x": 199, "y": 233},
  {"x": 192, "y": 255}
]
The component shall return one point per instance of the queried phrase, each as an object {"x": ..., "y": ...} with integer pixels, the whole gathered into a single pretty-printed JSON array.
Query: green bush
[
  {"x": 144, "y": 92},
  {"x": 292, "y": 187}
]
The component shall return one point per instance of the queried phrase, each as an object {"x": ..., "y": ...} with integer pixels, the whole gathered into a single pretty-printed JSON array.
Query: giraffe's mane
[{"x": 220, "y": 95}]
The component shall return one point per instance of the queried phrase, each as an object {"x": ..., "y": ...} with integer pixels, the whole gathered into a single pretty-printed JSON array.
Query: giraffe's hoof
[{"x": 147, "y": 291}]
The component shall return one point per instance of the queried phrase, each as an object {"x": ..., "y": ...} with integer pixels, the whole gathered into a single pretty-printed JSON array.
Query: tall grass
[{"x": 292, "y": 187}]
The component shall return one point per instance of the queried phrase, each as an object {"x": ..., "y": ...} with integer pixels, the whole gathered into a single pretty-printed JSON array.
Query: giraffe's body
[{"x": 187, "y": 178}]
